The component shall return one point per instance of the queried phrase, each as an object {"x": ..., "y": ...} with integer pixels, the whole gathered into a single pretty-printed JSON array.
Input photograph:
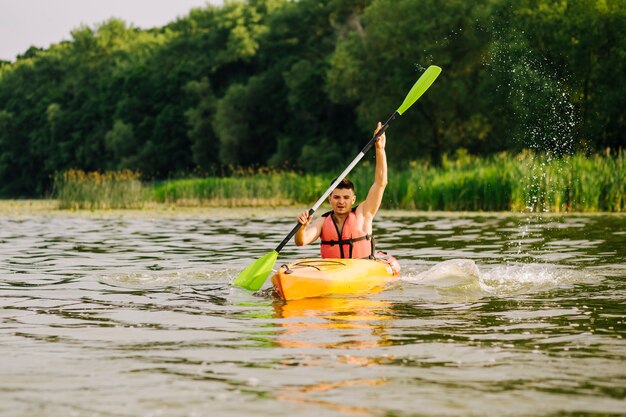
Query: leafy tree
[
  {"x": 374, "y": 65},
  {"x": 580, "y": 47},
  {"x": 121, "y": 144},
  {"x": 10, "y": 156},
  {"x": 244, "y": 122},
  {"x": 204, "y": 143},
  {"x": 299, "y": 40},
  {"x": 302, "y": 84}
]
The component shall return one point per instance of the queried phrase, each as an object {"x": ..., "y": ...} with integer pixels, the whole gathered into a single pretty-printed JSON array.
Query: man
[{"x": 347, "y": 232}]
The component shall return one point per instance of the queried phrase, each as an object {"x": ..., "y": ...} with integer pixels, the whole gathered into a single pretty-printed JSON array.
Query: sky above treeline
[{"x": 26, "y": 23}]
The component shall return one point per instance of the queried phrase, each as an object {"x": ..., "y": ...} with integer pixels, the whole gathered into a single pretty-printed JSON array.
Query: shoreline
[{"x": 49, "y": 208}]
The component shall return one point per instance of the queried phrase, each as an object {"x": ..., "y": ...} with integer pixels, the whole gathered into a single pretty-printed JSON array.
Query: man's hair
[{"x": 344, "y": 184}]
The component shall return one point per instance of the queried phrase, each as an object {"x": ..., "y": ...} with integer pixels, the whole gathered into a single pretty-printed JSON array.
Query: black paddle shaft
[{"x": 365, "y": 149}]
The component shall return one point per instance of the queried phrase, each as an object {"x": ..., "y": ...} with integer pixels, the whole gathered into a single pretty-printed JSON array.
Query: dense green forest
[{"x": 301, "y": 84}]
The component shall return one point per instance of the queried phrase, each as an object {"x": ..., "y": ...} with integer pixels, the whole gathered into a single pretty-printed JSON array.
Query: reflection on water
[
  {"x": 135, "y": 316},
  {"x": 309, "y": 322}
]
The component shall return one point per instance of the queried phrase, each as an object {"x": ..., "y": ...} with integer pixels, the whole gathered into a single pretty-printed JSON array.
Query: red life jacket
[{"x": 351, "y": 245}]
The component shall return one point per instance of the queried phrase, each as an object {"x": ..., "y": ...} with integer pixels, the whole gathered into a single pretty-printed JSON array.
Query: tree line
[{"x": 301, "y": 84}]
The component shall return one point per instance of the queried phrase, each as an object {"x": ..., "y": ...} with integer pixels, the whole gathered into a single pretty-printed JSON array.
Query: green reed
[
  {"x": 462, "y": 183},
  {"x": 265, "y": 188},
  {"x": 575, "y": 183},
  {"x": 76, "y": 189},
  {"x": 524, "y": 182},
  {"x": 527, "y": 182}
]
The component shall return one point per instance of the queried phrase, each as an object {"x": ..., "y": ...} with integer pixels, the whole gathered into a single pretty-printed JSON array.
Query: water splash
[
  {"x": 462, "y": 276},
  {"x": 544, "y": 121},
  {"x": 448, "y": 273},
  {"x": 526, "y": 278}
]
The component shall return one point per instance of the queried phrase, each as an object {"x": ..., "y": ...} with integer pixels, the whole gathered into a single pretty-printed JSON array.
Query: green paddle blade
[
  {"x": 253, "y": 277},
  {"x": 421, "y": 85}
]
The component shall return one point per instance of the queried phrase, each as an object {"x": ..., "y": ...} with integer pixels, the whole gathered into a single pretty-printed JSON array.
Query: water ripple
[{"x": 495, "y": 315}]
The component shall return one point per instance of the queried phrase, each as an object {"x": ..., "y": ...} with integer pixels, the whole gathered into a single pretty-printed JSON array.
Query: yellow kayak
[{"x": 323, "y": 277}]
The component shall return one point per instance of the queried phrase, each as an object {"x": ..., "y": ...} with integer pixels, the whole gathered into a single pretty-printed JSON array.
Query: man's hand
[
  {"x": 304, "y": 219},
  {"x": 382, "y": 139}
]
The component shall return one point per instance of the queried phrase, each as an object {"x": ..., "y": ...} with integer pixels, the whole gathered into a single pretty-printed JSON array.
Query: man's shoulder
[{"x": 361, "y": 215}]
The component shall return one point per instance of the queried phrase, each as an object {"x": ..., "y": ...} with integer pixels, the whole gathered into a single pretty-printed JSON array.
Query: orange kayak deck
[{"x": 325, "y": 277}]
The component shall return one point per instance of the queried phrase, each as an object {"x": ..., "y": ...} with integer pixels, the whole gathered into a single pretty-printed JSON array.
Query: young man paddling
[{"x": 347, "y": 232}]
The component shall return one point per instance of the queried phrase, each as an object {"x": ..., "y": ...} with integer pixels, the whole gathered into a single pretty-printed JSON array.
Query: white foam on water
[
  {"x": 515, "y": 279},
  {"x": 447, "y": 273},
  {"x": 464, "y": 276},
  {"x": 455, "y": 280}
]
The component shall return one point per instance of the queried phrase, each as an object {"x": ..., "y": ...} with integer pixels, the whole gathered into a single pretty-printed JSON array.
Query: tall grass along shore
[
  {"x": 524, "y": 182},
  {"x": 76, "y": 189}
]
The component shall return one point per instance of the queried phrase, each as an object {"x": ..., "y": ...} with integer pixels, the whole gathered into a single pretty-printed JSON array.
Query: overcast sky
[{"x": 24, "y": 23}]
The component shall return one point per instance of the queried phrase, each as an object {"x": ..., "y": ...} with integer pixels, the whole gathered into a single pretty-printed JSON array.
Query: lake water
[{"x": 496, "y": 315}]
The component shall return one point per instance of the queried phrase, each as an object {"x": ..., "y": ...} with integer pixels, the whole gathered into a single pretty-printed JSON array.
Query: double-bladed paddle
[{"x": 253, "y": 277}]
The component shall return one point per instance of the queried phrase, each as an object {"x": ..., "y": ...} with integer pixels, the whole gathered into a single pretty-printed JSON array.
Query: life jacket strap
[
  {"x": 350, "y": 242},
  {"x": 346, "y": 241}
]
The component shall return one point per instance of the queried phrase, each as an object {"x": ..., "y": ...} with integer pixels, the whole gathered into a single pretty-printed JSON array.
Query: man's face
[{"x": 341, "y": 200}]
